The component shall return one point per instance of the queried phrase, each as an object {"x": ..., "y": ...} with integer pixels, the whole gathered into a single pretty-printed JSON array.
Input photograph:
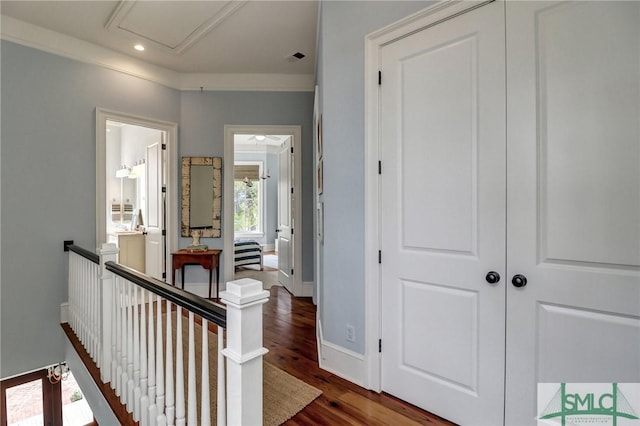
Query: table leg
[
  {"x": 209, "y": 283},
  {"x": 217, "y": 281}
]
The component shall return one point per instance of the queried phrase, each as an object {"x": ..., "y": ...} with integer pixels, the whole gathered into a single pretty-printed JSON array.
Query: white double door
[{"x": 523, "y": 161}]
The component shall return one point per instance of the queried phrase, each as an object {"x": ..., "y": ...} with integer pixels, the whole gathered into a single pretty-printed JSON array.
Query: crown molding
[{"x": 30, "y": 35}]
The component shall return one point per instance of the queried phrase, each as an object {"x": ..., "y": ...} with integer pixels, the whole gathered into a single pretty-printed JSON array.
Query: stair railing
[{"x": 125, "y": 321}]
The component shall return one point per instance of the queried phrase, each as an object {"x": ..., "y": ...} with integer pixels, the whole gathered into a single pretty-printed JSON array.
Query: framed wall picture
[
  {"x": 319, "y": 137},
  {"x": 319, "y": 177},
  {"x": 320, "y": 221}
]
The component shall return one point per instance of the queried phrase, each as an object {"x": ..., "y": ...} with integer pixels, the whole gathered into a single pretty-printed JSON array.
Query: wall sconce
[
  {"x": 58, "y": 372},
  {"x": 265, "y": 176},
  {"x": 247, "y": 182}
]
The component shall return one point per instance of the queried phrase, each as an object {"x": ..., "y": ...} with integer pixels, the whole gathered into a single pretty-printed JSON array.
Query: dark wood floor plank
[{"x": 290, "y": 336}]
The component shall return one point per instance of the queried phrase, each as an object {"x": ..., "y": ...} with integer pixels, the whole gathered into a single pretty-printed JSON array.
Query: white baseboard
[
  {"x": 341, "y": 361},
  {"x": 307, "y": 288},
  {"x": 268, "y": 247},
  {"x": 64, "y": 312}
]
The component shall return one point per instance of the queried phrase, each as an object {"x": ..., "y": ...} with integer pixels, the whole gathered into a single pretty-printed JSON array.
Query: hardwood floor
[{"x": 290, "y": 336}]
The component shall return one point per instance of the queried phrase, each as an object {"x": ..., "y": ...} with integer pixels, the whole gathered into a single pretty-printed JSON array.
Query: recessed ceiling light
[
  {"x": 139, "y": 47},
  {"x": 261, "y": 137}
]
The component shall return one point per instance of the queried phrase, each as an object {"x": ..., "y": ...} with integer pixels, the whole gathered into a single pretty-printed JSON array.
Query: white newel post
[
  {"x": 108, "y": 252},
  {"x": 244, "y": 299}
]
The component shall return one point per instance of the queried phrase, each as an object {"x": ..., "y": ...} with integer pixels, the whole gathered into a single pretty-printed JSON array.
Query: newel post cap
[{"x": 244, "y": 291}]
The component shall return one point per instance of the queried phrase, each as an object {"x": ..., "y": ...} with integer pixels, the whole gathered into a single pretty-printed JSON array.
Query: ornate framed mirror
[{"x": 202, "y": 196}]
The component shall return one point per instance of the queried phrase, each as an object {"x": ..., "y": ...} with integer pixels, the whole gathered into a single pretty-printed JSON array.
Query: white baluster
[
  {"x": 159, "y": 405},
  {"x": 119, "y": 334},
  {"x": 107, "y": 252},
  {"x": 205, "y": 400},
  {"x": 115, "y": 330},
  {"x": 170, "y": 409},
  {"x": 180, "y": 421},
  {"x": 130, "y": 346},
  {"x": 151, "y": 356},
  {"x": 192, "y": 401},
  {"x": 221, "y": 403},
  {"x": 244, "y": 351},
  {"x": 143, "y": 344},
  {"x": 125, "y": 334},
  {"x": 136, "y": 355}
]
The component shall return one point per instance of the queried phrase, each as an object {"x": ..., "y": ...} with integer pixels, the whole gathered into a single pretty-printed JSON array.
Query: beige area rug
[
  {"x": 283, "y": 395},
  {"x": 268, "y": 275}
]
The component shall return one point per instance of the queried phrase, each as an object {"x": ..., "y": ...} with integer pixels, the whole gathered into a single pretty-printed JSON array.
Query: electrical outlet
[{"x": 351, "y": 333}]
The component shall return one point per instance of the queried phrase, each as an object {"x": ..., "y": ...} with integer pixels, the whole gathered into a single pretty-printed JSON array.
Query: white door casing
[
  {"x": 154, "y": 241},
  {"x": 443, "y": 214},
  {"x": 285, "y": 225},
  {"x": 170, "y": 130},
  {"x": 573, "y": 221},
  {"x": 299, "y": 288}
]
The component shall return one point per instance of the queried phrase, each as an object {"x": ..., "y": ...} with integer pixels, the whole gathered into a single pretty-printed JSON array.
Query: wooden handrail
[{"x": 206, "y": 309}]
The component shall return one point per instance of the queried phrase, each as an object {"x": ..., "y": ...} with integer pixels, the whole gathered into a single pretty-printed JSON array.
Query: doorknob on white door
[
  {"x": 519, "y": 280},
  {"x": 492, "y": 277}
]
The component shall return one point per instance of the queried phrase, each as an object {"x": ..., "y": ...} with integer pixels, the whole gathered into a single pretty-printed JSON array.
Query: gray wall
[
  {"x": 204, "y": 116},
  {"x": 48, "y": 186},
  {"x": 344, "y": 25},
  {"x": 47, "y": 176}
]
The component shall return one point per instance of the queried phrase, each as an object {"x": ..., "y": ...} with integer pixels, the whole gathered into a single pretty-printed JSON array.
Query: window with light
[{"x": 248, "y": 198}]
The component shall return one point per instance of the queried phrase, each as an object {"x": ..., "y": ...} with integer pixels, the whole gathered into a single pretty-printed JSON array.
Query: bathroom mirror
[{"x": 202, "y": 196}]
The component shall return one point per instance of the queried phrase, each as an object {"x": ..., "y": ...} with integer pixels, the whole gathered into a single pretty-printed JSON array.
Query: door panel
[
  {"x": 154, "y": 240},
  {"x": 285, "y": 249},
  {"x": 443, "y": 215},
  {"x": 574, "y": 197}
]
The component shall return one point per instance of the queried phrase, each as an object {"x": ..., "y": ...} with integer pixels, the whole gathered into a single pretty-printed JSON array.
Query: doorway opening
[
  {"x": 262, "y": 195},
  {"x": 47, "y": 396},
  {"x": 136, "y": 181}
]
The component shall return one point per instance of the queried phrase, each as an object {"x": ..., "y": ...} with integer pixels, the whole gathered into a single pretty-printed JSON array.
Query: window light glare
[
  {"x": 260, "y": 137},
  {"x": 139, "y": 47}
]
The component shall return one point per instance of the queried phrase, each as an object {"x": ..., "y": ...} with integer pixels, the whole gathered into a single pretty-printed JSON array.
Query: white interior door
[
  {"x": 154, "y": 240},
  {"x": 574, "y": 197},
  {"x": 285, "y": 226},
  {"x": 443, "y": 217}
]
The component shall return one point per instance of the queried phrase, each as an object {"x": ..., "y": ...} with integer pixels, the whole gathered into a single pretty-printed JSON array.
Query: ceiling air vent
[{"x": 295, "y": 56}]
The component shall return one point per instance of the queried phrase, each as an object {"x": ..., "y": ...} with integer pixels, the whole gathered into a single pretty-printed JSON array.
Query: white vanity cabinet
[{"x": 131, "y": 246}]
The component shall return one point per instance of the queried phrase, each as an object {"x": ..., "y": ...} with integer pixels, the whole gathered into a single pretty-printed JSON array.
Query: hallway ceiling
[{"x": 208, "y": 37}]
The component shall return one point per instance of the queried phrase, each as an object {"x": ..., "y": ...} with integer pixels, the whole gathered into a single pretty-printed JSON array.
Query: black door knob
[
  {"x": 519, "y": 280},
  {"x": 492, "y": 277}
]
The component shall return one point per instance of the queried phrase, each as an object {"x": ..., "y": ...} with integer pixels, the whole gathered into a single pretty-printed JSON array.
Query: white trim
[
  {"x": 374, "y": 42},
  {"x": 342, "y": 362},
  {"x": 171, "y": 164},
  {"x": 30, "y": 35},
  {"x": 228, "y": 233},
  {"x": 307, "y": 289}
]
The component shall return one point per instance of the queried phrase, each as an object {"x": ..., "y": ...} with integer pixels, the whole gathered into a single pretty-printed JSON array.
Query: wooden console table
[{"x": 208, "y": 259}]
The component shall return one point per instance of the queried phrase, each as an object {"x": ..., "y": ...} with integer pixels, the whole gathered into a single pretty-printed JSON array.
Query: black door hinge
[
  {"x": 164, "y": 275},
  {"x": 379, "y": 167},
  {"x": 291, "y": 190},
  {"x": 164, "y": 189},
  {"x": 292, "y": 150},
  {"x": 291, "y": 231},
  {"x": 164, "y": 232},
  {"x": 292, "y": 272},
  {"x": 164, "y": 146},
  {"x": 379, "y": 256},
  {"x": 380, "y": 345},
  {"x": 379, "y": 78}
]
